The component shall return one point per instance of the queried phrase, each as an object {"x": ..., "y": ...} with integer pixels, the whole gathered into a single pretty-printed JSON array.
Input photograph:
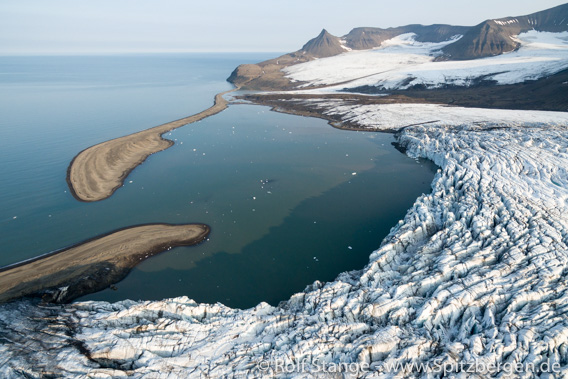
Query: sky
[{"x": 123, "y": 26}]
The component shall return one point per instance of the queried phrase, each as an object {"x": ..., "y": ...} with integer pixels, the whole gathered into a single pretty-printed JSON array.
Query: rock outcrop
[
  {"x": 494, "y": 37},
  {"x": 245, "y": 73},
  {"x": 324, "y": 45},
  {"x": 369, "y": 38},
  {"x": 267, "y": 75}
]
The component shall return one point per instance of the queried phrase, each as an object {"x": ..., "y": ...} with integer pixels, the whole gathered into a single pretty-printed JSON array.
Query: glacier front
[{"x": 476, "y": 272}]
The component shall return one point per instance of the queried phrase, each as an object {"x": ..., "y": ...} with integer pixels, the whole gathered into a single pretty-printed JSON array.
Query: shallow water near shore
[{"x": 289, "y": 199}]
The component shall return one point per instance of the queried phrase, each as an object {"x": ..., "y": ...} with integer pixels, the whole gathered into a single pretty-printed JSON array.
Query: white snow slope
[
  {"x": 403, "y": 62},
  {"x": 476, "y": 272}
]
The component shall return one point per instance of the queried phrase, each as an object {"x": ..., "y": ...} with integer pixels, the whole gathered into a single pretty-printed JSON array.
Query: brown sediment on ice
[
  {"x": 301, "y": 105},
  {"x": 95, "y": 264},
  {"x": 96, "y": 172}
]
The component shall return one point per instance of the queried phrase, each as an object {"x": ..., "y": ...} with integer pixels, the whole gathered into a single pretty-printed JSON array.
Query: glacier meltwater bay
[{"x": 290, "y": 200}]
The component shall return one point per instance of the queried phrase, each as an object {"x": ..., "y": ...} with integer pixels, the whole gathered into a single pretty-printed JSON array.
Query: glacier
[
  {"x": 403, "y": 62},
  {"x": 475, "y": 272}
]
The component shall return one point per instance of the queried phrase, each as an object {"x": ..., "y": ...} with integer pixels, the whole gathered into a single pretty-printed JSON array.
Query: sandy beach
[
  {"x": 95, "y": 264},
  {"x": 96, "y": 172}
]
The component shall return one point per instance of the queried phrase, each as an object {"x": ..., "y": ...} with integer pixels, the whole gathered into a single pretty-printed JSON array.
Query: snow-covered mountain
[
  {"x": 494, "y": 37},
  {"x": 369, "y": 38},
  {"x": 515, "y": 49},
  {"x": 403, "y": 62}
]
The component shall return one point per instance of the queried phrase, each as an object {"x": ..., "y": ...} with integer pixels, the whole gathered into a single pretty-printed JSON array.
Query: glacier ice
[
  {"x": 402, "y": 62},
  {"x": 477, "y": 270}
]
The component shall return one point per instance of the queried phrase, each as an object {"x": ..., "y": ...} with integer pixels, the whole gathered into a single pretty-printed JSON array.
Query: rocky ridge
[
  {"x": 369, "y": 38},
  {"x": 494, "y": 37},
  {"x": 489, "y": 38}
]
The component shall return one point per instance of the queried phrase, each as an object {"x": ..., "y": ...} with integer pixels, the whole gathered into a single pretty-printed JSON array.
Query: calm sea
[{"x": 290, "y": 199}]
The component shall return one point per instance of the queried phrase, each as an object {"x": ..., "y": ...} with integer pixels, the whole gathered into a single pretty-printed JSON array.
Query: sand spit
[
  {"x": 95, "y": 264},
  {"x": 96, "y": 172}
]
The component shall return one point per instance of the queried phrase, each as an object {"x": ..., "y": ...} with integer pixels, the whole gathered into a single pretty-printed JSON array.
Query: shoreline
[
  {"x": 94, "y": 264},
  {"x": 278, "y": 103},
  {"x": 96, "y": 172}
]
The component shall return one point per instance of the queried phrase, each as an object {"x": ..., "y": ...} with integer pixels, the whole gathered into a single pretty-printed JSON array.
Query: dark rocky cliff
[{"x": 494, "y": 37}]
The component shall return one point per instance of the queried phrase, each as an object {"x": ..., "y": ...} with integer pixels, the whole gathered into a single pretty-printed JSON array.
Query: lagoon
[{"x": 289, "y": 199}]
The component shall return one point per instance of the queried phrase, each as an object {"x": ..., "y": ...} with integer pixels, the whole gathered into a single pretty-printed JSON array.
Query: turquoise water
[{"x": 290, "y": 200}]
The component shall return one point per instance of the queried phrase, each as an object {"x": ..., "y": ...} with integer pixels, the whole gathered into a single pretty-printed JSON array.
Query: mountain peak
[{"x": 324, "y": 45}]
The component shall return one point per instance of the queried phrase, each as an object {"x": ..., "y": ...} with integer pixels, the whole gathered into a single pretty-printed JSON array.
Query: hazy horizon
[{"x": 144, "y": 26}]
